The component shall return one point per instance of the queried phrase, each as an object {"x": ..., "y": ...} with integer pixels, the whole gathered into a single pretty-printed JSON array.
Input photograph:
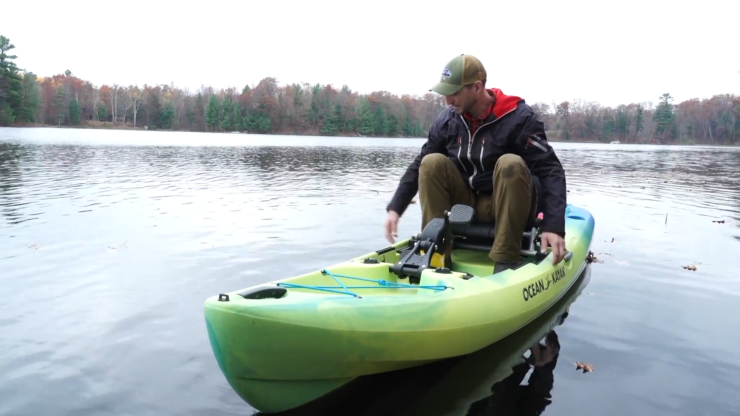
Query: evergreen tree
[
  {"x": 313, "y": 112},
  {"x": 405, "y": 126},
  {"x": 166, "y": 117},
  {"x": 226, "y": 113},
  {"x": 236, "y": 116},
  {"x": 339, "y": 117},
  {"x": 7, "y": 68},
  {"x": 248, "y": 122},
  {"x": 367, "y": 121},
  {"x": 212, "y": 110},
  {"x": 197, "y": 115},
  {"x": 12, "y": 94},
  {"x": 607, "y": 129},
  {"x": 663, "y": 116},
  {"x": 622, "y": 123},
  {"x": 381, "y": 121},
  {"x": 331, "y": 125},
  {"x": 639, "y": 119},
  {"x": 74, "y": 113},
  {"x": 102, "y": 112},
  {"x": 59, "y": 105},
  {"x": 392, "y": 125}
]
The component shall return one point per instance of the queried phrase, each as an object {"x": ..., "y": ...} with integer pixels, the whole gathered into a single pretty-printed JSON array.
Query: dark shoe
[{"x": 500, "y": 267}]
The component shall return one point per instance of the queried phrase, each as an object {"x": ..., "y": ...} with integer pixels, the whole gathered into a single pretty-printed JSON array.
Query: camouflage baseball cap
[{"x": 460, "y": 71}]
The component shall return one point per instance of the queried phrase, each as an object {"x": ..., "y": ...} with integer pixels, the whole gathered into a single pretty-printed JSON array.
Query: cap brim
[{"x": 445, "y": 89}]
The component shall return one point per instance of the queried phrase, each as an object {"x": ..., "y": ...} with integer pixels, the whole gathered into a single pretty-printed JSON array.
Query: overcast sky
[{"x": 611, "y": 52}]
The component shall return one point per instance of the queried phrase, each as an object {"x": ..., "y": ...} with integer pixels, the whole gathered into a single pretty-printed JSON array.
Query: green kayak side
[
  {"x": 458, "y": 385},
  {"x": 279, "y": 353}
]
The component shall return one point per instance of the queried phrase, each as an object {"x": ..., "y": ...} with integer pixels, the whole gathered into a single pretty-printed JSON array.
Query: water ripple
[{"x": 111, "y": 241}]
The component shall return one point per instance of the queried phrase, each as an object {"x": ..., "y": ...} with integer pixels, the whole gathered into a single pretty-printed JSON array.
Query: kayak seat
[
  {"x": 477, "y": 236},
  {"x": 469, "y": 234}
]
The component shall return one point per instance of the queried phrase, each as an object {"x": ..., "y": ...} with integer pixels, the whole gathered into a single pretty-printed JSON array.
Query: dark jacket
[{"x": 512, "y": 127}]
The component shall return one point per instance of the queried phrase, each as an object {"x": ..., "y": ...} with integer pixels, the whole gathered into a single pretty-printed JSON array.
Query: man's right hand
[{"x": 391, "y": 226}]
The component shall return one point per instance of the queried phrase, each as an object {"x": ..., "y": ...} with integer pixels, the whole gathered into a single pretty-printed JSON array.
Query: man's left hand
[{"x": 556, "y": 242}]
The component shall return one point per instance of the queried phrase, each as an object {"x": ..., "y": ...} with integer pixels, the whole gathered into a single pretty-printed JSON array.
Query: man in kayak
[{"x": 479, "y": 152}]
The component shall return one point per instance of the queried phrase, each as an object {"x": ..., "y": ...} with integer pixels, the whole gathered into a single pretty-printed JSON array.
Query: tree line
[
  {"x": 714, "y": 120},
  {"x": 314, "y": 109}
]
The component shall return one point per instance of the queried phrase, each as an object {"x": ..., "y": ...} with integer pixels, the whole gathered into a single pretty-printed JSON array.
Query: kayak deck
[{"x": 371, "y": 275}]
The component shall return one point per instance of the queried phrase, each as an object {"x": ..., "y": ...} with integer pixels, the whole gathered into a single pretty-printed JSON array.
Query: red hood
[{"x": 503, "y": 104}]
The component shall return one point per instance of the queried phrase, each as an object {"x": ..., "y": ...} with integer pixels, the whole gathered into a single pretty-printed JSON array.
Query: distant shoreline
[
  {"x": 129, "y": 127},
  {"x": 313, "y": 109}
]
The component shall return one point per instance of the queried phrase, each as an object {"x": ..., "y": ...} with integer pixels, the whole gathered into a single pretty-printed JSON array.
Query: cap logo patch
[{"x": 446, "y": 74}]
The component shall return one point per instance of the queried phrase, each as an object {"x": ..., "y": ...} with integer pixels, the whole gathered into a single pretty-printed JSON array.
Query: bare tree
[
  {"x": 135, "y": 97},
  {"x": 95, "y": 101},
  {"x": 114, "y": 102}
]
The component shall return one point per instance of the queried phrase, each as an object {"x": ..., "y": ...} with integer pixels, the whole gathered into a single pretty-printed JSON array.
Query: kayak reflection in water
[{"x": 510, "y": 397}]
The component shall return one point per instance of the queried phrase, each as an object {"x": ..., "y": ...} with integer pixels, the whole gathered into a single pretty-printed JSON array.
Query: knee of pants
[
  {"x": 510, "y": 159},
  {"x": 433, "y": 161},
  {"x": 509, "y": 164}
]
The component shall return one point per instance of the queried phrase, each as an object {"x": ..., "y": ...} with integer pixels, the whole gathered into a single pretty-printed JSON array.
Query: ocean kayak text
[{"x": 533, "y": 289}]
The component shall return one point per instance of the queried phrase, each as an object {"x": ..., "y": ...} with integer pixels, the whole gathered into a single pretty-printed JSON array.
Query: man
[{"x": 479, "y": 152}]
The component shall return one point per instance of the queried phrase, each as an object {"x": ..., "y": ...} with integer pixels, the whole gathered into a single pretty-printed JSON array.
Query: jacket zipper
[
  {"x": 468, "y": 149},
  {"x": 459, "y": 150},
  {"x": 470, "y": 146},
  {"x": 482, "y": 145},
  {"x": 481, "y": 152}
]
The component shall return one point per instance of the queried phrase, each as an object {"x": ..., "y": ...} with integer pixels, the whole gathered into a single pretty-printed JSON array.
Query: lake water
[{"x": 111, "y": 240}]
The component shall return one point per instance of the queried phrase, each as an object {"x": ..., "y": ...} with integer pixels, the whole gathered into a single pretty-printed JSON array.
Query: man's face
[{"x": 463, "y": 100}]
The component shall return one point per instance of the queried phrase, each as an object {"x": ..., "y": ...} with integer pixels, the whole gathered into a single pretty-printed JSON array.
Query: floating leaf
[
  {"x": 690, "y": 267},
  {"x": 35, "y": 247},
  {"x": 116, "y": 248},
  {"x": 591, "y": 258},
  {"x": 719, "y": 221},
  {"x": 587, "y": 368},
  {"x": 612, "y": 239}
]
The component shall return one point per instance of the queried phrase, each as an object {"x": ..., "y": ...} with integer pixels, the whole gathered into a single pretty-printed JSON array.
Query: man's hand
[
  {"x": 391, "y": 226},
  {"x": 557, "y": 243}
]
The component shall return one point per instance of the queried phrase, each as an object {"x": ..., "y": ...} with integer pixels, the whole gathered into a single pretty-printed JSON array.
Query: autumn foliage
[
  {"x": 714, "y": 120},
  {"x": 270, "y": 108}
]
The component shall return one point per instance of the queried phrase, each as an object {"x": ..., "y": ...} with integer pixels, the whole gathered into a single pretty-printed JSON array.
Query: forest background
[{"x": 64, "y": 100}]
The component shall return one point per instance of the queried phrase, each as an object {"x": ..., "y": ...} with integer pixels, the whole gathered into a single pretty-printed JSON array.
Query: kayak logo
[{"x": 534, "y": 289}]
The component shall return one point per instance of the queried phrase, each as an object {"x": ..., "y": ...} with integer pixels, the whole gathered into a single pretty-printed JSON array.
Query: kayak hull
[{"x": 286, "y": 347}]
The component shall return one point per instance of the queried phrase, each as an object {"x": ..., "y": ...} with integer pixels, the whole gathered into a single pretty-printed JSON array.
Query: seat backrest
[{"x": 475, "y": 230}]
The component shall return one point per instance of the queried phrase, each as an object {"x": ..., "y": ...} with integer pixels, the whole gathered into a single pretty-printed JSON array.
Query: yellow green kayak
[
  {"x": 433, "y": 296},
  {"x": 471, "y": 384}
]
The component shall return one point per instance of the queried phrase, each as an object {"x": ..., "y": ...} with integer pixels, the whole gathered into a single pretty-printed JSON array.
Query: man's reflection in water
[{"x": 510, "y": 397}]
